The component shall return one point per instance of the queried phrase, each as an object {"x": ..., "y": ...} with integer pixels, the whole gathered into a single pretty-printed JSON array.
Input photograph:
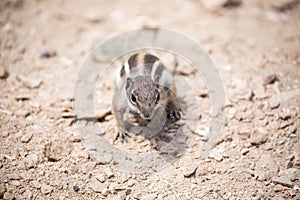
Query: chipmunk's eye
[
  {"x": 157, "y": 98},
  {"x": 133, "y": 99}
]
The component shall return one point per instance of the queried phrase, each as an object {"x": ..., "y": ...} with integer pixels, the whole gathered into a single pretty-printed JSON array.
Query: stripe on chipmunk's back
[
  {"x": 122, "y": 71},
  {"x": 129, "y": 65},
  {"x": 149, "y": 61},
  {"x": 158, "y": 72},
  {"x": 133, "y": 61},
  {"x": 139, "y": 62}
]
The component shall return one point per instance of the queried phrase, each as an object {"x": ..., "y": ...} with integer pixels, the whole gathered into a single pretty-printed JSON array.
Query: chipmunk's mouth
[{"x": 147, "y": 118}]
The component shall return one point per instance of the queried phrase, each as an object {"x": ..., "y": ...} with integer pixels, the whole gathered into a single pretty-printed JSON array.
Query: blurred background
[{"x": 255, "y": 46}]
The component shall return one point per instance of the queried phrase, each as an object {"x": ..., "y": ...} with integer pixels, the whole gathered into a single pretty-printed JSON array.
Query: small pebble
[
  {"x": 109, "y": 173},
  {"x": 26, "y": 195},
  {"x": 245, "y": 132},
  {"x": 46, "y": 189},
  {"x": 125, "y": 177},
  {"x": 285, "y": 114},
  {"x": 2, "y": 191},
  {"x": 274, "y": 103},
  {"x": 259, "y": 137},
  {"x": 23, "y": 113},
  {"x": 260, "y": 92},
  {"x": 3, "y": 73},
  {"x": 244, "y": 94},
  {"x": 116, "y": 187},
  {"x": 26, "y": 137},
  {"x": 216, "y": 155},
  {"x": 278, "y": 188},
  {"x": 93, "y": 17},
  {"x": 128, "y": 191},
  {"x": 75, "y": 139},
  {"x": 23, "y": 96},
  {"x": 101, "y": 178},
  {"x": 15, "y": 183},
  {"x": 76, "y": 188},
  {"x": 97, "y": 186},
  {"x": 8, "y": 196},
  {"x": 270, "y": 79},
  {"x": 262, "y": 175},
  {"x": 73, "y": 168},
  {"x": 232, "y": 4},
  {"x": 31, "y": 161},
  {"x": 105, "y": 191},
  {"x": 35, "y": 184},
  {"x": 218, "y": 4},
  {"x": 292, "y": 192},
  {"x": 4, "y": 134},
  {"x": 67, "y": 115},
  {"x": 30, "y": 82},
  {"x": 130, "y": 183},
  {"x": 204, "y": 93},
  {"x": 148, "y": 196},
  {"x": 186, "y": 70},
  {"x": 284, "y": 6},
  {"x": 244, "y": 151},
  {"x": 283, "y": 180},
  {"x": 48, "y": 53},
  {"x": 296, "y": 187},
  {"x": 14, "y": 177},
  {"x": 293, "y": 173},
  {"x": 189, "y": 171},
  {"x": 121, "y": 197}
]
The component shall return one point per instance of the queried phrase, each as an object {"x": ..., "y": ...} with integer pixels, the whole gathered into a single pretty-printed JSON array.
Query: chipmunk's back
[{"x": 144, "y": 64}]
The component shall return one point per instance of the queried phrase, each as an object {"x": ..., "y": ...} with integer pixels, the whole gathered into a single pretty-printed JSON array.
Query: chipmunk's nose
[
  {"x": 146, "y": 113},
  {"x": 147, "y": 117}
]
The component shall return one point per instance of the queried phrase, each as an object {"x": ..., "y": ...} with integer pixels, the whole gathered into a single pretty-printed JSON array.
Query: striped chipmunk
[{"x": 145, "y": 88}]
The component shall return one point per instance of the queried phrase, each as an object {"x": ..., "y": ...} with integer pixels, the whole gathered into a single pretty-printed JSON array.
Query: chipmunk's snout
[
  {"x": 146, "y": 115},
  {"x": 147, "y": 119}
]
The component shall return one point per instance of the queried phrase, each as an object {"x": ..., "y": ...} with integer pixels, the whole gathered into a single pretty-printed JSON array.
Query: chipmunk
[{"x": 145, "y": 87}]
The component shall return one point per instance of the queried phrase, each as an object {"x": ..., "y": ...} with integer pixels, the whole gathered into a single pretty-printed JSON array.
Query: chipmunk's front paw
[
  {"x": 173, "y": 115},
  {"x": 123, "y": 136}
]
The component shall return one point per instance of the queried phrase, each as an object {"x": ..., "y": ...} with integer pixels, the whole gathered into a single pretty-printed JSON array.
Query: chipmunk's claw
[
  {"x": 174, "y": 115},
  {"x": 123, "y": 135}
]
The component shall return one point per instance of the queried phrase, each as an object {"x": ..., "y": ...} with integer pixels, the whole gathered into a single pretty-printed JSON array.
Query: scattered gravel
[
  {"x": 148, "y": 196},
  {"x": 31, "y": 161},
  {"x": 283, "y": 180},
  {"x": 259, "y": 137},
  {"x": 46, "y": 189},
  {"x": 43, "y": 151},
  {"x": 2, "y": 190}
]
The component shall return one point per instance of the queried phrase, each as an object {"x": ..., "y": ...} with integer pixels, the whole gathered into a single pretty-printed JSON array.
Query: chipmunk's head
[{"x": 143, "y": 96}]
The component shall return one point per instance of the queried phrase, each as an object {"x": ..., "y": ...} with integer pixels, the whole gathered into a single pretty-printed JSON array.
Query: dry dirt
[{"x": 256, "y": 48}]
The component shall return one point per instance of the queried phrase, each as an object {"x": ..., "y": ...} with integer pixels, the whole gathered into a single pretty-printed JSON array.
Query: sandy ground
[{"x": 255, "y": 46}]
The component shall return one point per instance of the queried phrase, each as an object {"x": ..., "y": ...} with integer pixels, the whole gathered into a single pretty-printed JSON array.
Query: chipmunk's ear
[{"x": 128, "y": 82}]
